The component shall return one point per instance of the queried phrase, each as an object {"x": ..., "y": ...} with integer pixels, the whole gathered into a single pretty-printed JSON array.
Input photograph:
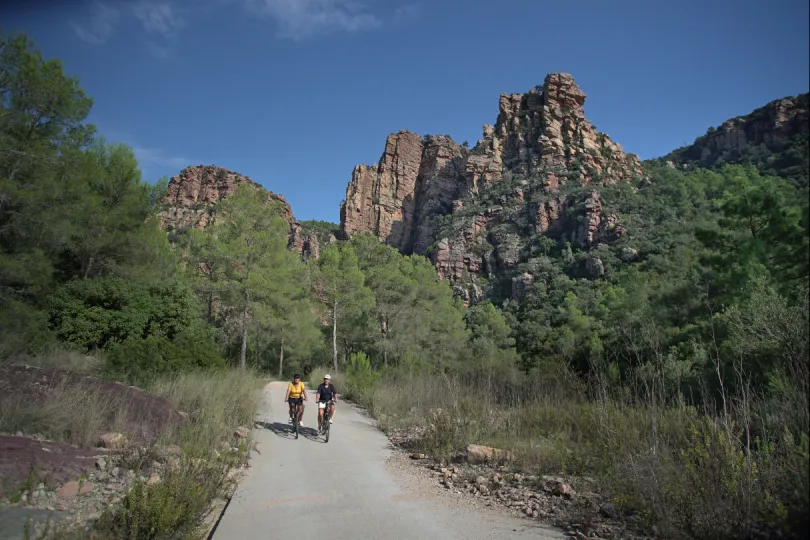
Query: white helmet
[{"x": 327, "y": 376}]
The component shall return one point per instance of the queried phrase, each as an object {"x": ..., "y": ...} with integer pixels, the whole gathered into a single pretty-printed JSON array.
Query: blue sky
[{"x": 294, "y": 93}]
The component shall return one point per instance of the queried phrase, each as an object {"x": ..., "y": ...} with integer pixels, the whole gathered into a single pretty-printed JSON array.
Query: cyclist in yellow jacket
[{"x": 296, "y": 393}]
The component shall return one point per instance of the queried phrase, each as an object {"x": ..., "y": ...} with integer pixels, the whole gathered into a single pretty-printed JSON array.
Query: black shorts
[{"x": 294, "y": 400}]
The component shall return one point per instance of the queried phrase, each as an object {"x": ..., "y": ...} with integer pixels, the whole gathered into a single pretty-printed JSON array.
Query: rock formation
[
  {"x": 541, "y": 137},
  {"x": 778, "y": 131},
  {"x": 192, "y": 195}
]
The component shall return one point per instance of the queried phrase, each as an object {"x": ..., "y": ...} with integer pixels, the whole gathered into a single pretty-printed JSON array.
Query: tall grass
[
  {"x": 59, "y": 357},
  {"x": 73, "y": 414},
  {"x": 215, "y": 403},
  {"x": 687, "y": 471}
]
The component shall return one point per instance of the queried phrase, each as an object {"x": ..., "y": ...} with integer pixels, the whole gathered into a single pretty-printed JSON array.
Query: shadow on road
[
  {"x": 313, "y": 435},
  {"x": 284, "y": 430}
]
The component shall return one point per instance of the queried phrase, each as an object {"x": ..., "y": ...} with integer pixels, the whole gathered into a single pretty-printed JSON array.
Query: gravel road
[{"x": 347, "y": 489}]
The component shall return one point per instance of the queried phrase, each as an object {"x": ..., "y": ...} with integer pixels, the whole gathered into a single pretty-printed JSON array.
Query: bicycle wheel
[
  {"x": 295, "y": 420},
  {"x": 326, "y": 425}
]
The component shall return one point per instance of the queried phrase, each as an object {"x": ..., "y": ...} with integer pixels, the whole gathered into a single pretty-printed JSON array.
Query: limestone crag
[
  {"x": 192, "y": 195},
  {"x": 541, "y": 136}
]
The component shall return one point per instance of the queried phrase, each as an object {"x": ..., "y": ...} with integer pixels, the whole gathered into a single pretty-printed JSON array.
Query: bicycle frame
[
  {"x": 327, "y": 413},
  {"x": 296, "y": 415}
]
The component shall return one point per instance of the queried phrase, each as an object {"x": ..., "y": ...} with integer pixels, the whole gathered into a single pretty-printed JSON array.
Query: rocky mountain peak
[
  {"x": 193, "y": 193},
  {"x": 542, "y": 135}
]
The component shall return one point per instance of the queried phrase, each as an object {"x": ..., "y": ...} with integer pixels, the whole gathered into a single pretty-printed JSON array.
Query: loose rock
[{"x": 112, "y": 441}]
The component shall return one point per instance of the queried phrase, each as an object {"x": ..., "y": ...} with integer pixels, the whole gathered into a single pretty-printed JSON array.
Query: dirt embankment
[{"x": 55, "y": 408}]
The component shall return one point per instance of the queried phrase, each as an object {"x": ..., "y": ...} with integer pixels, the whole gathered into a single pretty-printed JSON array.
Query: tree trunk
[
  {"x": 334, "y": 335},
  {"x": 281, "y": 359},
  {"x": 385, "y": 340},
  {"x": 89, "y": 266},
  {"x": 243, "y": 356}
]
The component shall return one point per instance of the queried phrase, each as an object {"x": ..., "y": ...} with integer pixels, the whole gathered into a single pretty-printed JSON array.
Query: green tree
[
  {"x": 248, "y": 256},
  {"x": 41, "y": 114},
  {"x": 341, "y": 288},
  {"x": 110, "y": 228}
]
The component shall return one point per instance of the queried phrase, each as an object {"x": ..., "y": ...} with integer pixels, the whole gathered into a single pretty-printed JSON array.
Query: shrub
[
  {"x": 143, "y": 359},
  {"x": 95, "y": 313},
  {"x": 360, "y": 378}
]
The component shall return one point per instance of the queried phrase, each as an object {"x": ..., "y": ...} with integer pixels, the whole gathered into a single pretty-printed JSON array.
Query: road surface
[{"x": 344, "y": 490}]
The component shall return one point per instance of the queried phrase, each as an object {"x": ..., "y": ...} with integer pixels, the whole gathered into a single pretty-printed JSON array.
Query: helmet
[
  {"x": 327, "y": 376},
  {"x": 297, "y": 376}
]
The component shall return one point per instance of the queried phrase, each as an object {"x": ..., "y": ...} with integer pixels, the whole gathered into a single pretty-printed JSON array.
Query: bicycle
[
  {"x": 325, "y": 425},
  {"x": 296, "y": 413}
]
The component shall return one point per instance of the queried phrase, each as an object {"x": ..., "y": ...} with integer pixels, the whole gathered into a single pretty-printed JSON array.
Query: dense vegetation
[{"x": 687, "y": 362}]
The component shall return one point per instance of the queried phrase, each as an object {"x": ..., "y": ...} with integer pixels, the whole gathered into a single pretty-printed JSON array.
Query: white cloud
[
  {"x": 101, "y": 26},
  {"x": 295, "y": 19},
  {"x": 302, "y": 19},
  {"x": 158, "y": 18}
]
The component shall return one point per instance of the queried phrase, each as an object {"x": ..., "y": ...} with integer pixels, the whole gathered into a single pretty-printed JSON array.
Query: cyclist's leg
[
  {"x": 301, "y": 412},
  {"x": 292, "y": 407},
  {"x": 320, "y": 414},
  {"x": 331, "y": 412}
]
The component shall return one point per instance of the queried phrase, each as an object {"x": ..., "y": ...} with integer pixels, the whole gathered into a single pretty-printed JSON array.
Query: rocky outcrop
[
  {"x": 541, "y": 137},
  {"x": 773, "y": 137},
  {"x": 192, "y": 195},
  {"x": 307, "y": 244},
  {"x": 380, "y": 199}
]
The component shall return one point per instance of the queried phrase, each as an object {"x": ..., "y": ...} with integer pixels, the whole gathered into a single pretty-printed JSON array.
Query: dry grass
[
  {"x": 58, "y": 357},
  {"x": 74, "y": 414},
  {"x": 687, "y": 472},
  {"x": 215, "y": 402}
]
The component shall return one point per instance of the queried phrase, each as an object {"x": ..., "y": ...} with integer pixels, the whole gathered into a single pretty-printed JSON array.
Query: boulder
[
  {"x": 112, "y": 441},
  {"x": 74, "y": 489},
  {"x": 477, "y": 454}
]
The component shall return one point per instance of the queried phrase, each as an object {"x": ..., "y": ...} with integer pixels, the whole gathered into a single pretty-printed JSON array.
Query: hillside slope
[{"x": 774, "y": 138}]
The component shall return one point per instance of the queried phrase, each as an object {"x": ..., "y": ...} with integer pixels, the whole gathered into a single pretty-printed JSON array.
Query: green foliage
[
  {"x": 94, "y": 313},
  {"x": 141, "y": 359},
  {"x": 342, "y": 291},
  {"x": 243, "y": 261},
  {"x": 415, "y": 312},
  {"x": 783, "y": 156},
  {"x": 145, "y": 329},
  {"x": 73, "y": 206},
  {"x": 324, "y": 230},
  {"x": 360, "y": 378}
]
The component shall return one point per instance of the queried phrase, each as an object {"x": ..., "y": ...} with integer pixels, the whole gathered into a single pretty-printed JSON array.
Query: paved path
[{"x": 342, "y": 490}]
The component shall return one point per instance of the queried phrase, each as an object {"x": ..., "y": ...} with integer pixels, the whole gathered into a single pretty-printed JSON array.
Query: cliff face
[
  {"x": 192, "y": 195},
  {"x": 541, "y": 137},
  {"x": 773, "y": 137}
]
